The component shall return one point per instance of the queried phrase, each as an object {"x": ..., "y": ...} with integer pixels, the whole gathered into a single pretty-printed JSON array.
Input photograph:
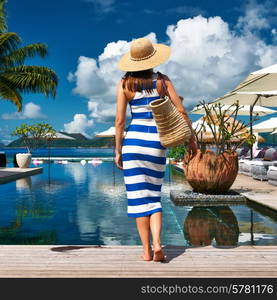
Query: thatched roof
[{"x": 205, "y": 133}]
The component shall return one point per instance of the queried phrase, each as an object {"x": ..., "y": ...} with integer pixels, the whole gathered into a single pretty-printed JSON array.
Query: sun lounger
[
  {"x": 261, "y": 153},
  {"x": 246, "y": 167},
  {"x": 261, "y": 166},
  {"x": 241, "y": 166},
  {"x": 259, "y": 169},
  {"x": 270, "y": 154},
  {"x": 272, "y": 175}
]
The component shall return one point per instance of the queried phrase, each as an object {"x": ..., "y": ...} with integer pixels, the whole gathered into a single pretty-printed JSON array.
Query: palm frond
[
  {"x": 18, "y": 56},
  {"x": 10, "y": 94},
  {"x": 8, "y": 42},
  {"x": 34, "y": 79},
  {"x": 3, "y": 24},
  {"x": 15, "y": 77}
]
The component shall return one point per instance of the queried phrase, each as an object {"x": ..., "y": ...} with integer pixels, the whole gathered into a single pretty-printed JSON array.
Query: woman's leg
[
  {"x": 156, "y": 228},
  {"x": 143, "y": 226}
]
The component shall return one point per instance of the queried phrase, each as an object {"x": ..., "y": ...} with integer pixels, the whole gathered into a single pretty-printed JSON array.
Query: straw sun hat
[{"x": 143, "y": 55}]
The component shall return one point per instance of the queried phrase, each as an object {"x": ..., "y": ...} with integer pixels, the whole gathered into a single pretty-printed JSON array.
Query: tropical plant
[
  {"x": 221, "y": 128},
  {"x": 177, "y": 152},
  {"x": 15, "y": 77},
  {"x": 214, "y": 170},
  {"x": 34, "y": 136}
]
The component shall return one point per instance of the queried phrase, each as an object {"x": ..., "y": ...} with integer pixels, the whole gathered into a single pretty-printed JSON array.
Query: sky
[{"x": 214, "y": 46}]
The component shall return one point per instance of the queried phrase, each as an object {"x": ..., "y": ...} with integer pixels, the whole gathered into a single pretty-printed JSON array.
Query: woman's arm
[
  {"x": 178, "y": 103},
  {"x": 120, "y": 119},
  {"x": 176, "y": 99}
]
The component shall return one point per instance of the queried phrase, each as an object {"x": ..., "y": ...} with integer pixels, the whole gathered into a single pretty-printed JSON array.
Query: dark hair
[{"x": 137, "y": 81}]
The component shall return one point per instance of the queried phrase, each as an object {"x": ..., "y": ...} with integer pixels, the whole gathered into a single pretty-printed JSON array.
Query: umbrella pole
[
  {"x": 251, "y": 123},
  {"x": 252, "y": 227},
  {"x": 114, "y": 161},
  {"x": 48, "y": 161},
  {"x": 251, "y": 129}
]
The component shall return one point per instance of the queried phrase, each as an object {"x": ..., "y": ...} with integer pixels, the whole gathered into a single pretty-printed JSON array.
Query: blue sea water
[{"x": 61, "y": 152}]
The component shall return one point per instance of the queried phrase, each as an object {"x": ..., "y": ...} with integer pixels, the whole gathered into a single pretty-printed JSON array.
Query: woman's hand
[
  {"x": 118, "y": 161},
  {"x": 120, "y": 124},
  {"x": 192, "y": 145}
]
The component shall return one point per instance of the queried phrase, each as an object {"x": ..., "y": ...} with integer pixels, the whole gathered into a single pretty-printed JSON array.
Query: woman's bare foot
[
  {"x": 147, "y": 255},
  {"x": 158, "y": 254}
]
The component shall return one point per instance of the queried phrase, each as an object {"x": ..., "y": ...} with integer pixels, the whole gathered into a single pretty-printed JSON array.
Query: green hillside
[{"x": 80, "y": 141}]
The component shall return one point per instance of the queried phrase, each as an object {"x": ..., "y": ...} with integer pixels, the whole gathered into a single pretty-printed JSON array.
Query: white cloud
[
  {"x": 70, "y": 77},
  {"x": 208, "y": 59},
  {"x": 80, "y": 124},
  {"x": 88, "y": 81},
  {"x": 255, "y": 17},
  {"x": 103, "y": 6},
  {"x": 274, "y": 35},
  {"x": 29, "y": 111}
]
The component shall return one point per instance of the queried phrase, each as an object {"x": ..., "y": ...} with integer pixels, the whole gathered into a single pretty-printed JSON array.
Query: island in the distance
[{"x": 73, "y": 140}]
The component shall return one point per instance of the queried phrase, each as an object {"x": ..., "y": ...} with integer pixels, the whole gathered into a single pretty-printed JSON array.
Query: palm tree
[{"x": 15, "y": 77}]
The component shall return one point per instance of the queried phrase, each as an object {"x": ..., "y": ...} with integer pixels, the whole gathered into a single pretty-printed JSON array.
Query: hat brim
[{"x": 161, "y": 55}]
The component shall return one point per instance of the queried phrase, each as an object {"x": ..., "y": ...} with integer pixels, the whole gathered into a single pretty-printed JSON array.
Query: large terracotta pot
[
  {"x": 23, "y": 159},
  {"x": 209, "y": 173}
]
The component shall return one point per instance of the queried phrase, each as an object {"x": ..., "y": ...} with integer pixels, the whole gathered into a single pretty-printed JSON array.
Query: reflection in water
[
  {"x": 29, "y": 206},
  {"x": 176, "y": 176},
  {"x": 24, "y": 184},
  {"x": 77, "y": 171},
  {"x": 8, "y": 236},
  {"x": 203, "y": 224},
  {"x": 111, "y": 190},
  {"x": 51, "y": 187},
  {"x": 48, "y": 186},
  {"x": 27, "y": 209},
  {"x": 101, "y": 212},
  {"x": 75, "y": 204},
  {"x": 34, "y": 208}
]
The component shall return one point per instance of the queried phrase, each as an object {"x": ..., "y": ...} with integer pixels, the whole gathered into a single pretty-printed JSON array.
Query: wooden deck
[
  {"x": 124, "y": 261},
  {"x": 11, "y": 174}
]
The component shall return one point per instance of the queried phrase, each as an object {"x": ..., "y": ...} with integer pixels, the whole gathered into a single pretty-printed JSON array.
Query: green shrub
[{"x": 34, "y": 136}]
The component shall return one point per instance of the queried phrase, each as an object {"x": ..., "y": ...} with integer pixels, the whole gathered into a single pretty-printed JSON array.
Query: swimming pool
[{"x": 86, "y": 204}]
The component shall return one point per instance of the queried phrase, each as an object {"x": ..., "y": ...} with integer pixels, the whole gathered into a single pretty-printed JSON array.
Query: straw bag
[{"x": 172, "y": 128}]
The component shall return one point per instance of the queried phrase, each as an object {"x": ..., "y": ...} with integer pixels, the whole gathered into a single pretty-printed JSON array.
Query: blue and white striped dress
[{"x": 143, "y": 157}]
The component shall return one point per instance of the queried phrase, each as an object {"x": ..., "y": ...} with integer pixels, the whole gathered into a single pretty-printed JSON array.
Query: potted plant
[
  {"x": 212, "y": 170},
  {"x": 33, "y": 136}
]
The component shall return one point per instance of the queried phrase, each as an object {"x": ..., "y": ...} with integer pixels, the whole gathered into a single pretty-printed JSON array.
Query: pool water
[{"x": 86, "y": 204}]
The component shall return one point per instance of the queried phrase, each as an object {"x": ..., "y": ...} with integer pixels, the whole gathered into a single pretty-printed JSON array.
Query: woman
[{"x": 140, "y": 154}]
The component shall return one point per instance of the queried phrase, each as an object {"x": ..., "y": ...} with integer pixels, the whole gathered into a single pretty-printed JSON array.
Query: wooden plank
[{"x": 124, "y": 261}]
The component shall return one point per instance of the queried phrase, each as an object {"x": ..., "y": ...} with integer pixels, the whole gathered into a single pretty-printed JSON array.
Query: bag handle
[{"x": 161, "y": 77}]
